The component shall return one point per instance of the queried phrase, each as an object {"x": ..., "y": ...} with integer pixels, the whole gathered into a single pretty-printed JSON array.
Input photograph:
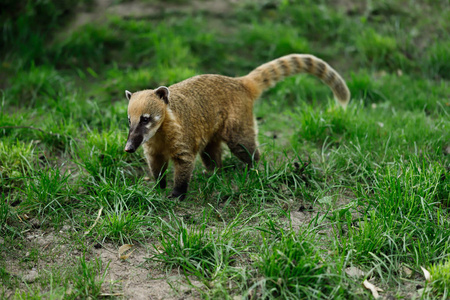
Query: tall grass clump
[
  {"x": 379, "y": 51},
  {"x": 437, "y": 60},
  {"x": 293, "y": 268},
  {"x": 89, "y": 277},
  {"x": 88, "y": 48},
  {"x": 17, "y": 162},
  {"x": 123, "y": 226},
  {"x": 403, "y": 220},
  {"x": 35, "y": 84},
  {"x": 5, "y": 212},
  {"x": 28, "y": 25},
  {"x": 199, "y": 249},
  {"x": 48, "y": 192},
  {"x": 440, "y": 276},
  {"x": 102, "y": 154}
]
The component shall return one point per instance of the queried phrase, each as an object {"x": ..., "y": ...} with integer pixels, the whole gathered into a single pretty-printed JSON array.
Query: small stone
[
  {"x": 31, "y": 276},
  {"x": 407, "y": 271},
  {"x": 35, "y": 223},
  {"x": 65, "y": 228}
]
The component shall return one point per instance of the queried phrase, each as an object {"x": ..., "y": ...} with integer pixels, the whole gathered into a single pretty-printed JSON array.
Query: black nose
[{"x": 129, "y": 148}]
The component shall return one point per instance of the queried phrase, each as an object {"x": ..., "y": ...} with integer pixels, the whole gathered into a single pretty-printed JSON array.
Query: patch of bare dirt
[
  {"x": 144, "y": 9},
  {"x": 135, "y": 279},
  {"x": 350, "y": 6},
  {"x": 41, "y": 254}
]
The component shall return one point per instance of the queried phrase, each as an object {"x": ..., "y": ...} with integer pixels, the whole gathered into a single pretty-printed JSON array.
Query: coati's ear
[
  {"x": 128, "y": 95},
  {"x": 163, "y": 93}
]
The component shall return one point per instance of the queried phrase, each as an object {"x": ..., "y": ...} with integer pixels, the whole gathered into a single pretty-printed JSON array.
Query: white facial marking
[
  {"x": 151, "y": 132},
  {"x": 149, "y": 135}
]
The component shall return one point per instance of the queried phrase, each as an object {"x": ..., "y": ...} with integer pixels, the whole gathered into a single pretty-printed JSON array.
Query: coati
[{"x": 198, "y": 114}]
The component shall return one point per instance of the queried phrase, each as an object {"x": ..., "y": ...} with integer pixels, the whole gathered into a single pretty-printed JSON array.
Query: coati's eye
[
  {"x": 145, "y": 119},
  {"x": 129, "y": 121}
]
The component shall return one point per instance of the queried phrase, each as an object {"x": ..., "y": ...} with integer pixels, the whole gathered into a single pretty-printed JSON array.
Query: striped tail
[{"x": 268, "y": 74}]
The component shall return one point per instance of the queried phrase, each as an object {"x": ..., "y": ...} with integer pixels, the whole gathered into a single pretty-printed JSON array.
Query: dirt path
[{"x": 136, "y": 9}]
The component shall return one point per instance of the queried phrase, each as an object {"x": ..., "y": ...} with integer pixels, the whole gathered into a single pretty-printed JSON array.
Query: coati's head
[{"x": 146, "y": 113}]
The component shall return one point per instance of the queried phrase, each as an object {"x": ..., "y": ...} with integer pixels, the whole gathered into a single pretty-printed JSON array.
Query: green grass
[
  {"x": 367, "y": 187},
  {"x": 292, "y": 268},
  {"x": 440, "y": 279},
  {"x": 197, "y": 249}
]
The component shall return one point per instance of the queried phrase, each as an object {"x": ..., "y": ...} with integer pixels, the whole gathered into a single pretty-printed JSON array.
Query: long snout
[{"x": 133, "y": 142}]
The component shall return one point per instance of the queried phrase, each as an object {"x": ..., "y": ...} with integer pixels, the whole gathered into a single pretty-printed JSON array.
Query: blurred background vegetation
[
  {"x": 105, "y": 37},
  {"x": 69, "y": 58}
]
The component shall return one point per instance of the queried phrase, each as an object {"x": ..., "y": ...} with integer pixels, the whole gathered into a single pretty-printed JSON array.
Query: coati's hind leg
[
  {"x": 212, "y": 155},
  {"x": 242, "y": 143},
  {"x": 158, "y": 165}
]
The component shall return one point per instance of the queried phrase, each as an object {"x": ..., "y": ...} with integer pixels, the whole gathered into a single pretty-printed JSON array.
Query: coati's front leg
[
  {"x": 212, "y": 155},
  {"x": 184, "y": 167},
  {"x": 158, "y": 165}
]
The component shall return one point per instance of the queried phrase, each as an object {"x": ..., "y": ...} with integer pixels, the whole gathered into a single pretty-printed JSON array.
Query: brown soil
[{"x": 133, "y": 278}]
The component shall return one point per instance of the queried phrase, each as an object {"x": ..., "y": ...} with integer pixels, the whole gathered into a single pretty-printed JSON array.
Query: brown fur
[{"x": 205, "y": 111}]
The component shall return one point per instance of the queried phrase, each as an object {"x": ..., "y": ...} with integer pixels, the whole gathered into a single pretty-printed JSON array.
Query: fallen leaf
[
  {"x": 372, "y": 288},
  {"x": 426, "y": 274},
  {"x": 123, "y": 249}
]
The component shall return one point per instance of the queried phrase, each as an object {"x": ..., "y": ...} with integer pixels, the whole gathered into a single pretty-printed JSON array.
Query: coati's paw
[
  {"x": 177, "y": 195},
  {"x": 179, "y": 191}
]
